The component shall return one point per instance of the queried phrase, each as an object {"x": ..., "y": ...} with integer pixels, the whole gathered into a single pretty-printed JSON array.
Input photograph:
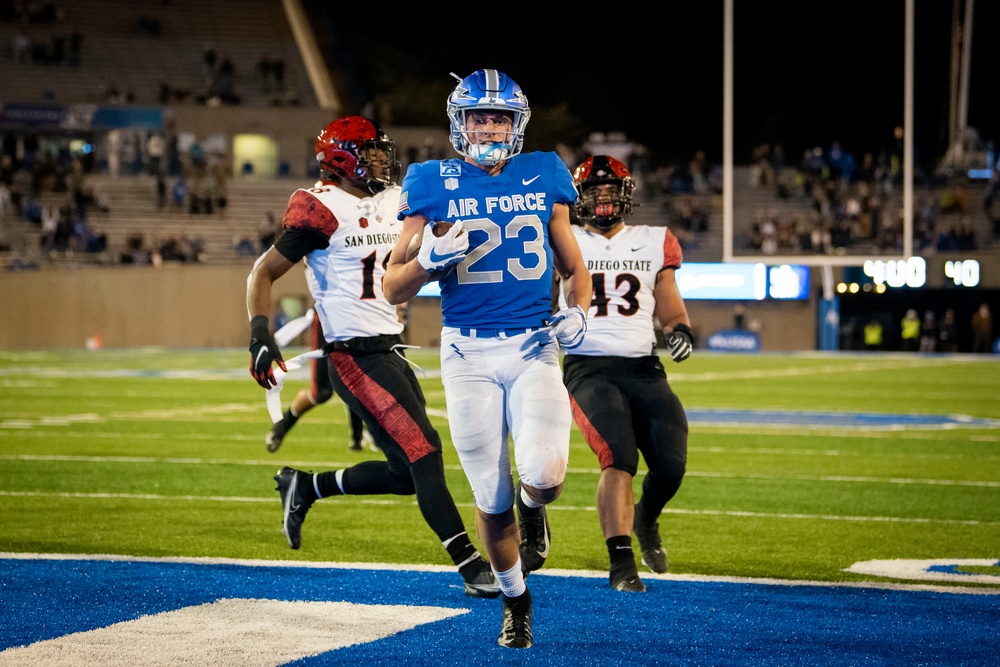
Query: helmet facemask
[
  {"x": 605, "y": 190},
  {"x": 603, "y": 205},
  {"x": 354, "y": 150},
  {"x": 487, "y": 91}
]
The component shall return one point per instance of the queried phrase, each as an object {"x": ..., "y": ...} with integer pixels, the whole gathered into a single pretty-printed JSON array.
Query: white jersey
[
  {"x": 624, "y": 269},
  {"x": 345, "y": 278}
]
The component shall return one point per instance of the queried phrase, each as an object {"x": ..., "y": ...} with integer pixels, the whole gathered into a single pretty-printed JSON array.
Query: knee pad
[{"x": 541, "y": 465}]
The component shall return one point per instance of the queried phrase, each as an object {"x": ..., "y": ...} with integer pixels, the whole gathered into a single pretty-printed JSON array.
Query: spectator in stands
[
  {"x": 136, "y": 251},
  {"x": 991, "y": 204},
  {"x": 909, "y": 329},
  {"x": 928, "y": 332},
  {"x": 982, "y": 329},
  {"x": 161, "y": 190},
  {"x": 75, "y": 47},
  {"x": 219, "y": 174},
  {"x": 873, "y": 334},
  {"x": 841, "y": 163},
  {"x": 21, "y": 47},
  {"x": 761, "y": 170},
  {"x": 698, "y": 171},
  {"x": 49, "y": 226},
  {"x": 7, "y": 208},
  {"x": 278, "y": 74},
  {"x": 964, "y": 235},
  {"x": 269, "y": 230},
  {"x": 179, "y": 193},
  {"x": 739, "y": 317},
  {"x": 820, "y": 238},
  {"x": 948, "y": 332},
  {"x": 226, "y": 89},
  {"x": 156, "y": 146},
  {"x": 209, "y": 62}
]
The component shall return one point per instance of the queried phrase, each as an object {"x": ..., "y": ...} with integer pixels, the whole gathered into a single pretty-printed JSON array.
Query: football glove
[
  {"x": 440, "y": 252},
  {"x": 569, "y": 326},
  {"x": 534, "y": 344},
  {"x": 263, "y": 352},
  {"x": 680, "y": 342}
]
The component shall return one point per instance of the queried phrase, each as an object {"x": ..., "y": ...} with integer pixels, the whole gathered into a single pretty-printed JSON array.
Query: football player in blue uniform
[
  {"x": 343, "y": 228},
  {"x": 494, "y": 225},
  {"x": 621, "y": 399}
]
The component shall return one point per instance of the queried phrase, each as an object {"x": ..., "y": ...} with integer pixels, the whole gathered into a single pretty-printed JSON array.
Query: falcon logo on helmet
[
  {"x": 355, "y": 150},
  {"x": 603, "y": 207},
  {"x": 487, "y": 90}
]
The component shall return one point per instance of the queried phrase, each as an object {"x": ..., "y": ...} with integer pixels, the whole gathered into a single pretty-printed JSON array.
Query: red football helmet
[
  {"x": 355, "y": 150},
  {"x": 603, "y": 209}
]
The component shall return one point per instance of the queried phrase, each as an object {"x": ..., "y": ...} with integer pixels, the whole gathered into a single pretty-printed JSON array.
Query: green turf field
[{"x": 160, "y": 453}]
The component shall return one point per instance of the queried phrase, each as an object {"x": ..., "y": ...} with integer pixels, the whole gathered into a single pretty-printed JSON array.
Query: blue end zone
[{"x": 577, "y": 620}]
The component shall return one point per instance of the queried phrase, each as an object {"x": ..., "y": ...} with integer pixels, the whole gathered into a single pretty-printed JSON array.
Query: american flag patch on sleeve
[{"x": 403, "y": 202}]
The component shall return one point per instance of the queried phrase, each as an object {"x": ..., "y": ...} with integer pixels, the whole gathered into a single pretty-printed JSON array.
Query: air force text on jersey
[{"x": 465, "y": 207}]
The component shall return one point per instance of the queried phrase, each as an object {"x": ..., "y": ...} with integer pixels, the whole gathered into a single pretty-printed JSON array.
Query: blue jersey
[{"x": 505, "y": 282}]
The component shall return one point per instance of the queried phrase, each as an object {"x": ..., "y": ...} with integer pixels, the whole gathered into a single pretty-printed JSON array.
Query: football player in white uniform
[
  {"x": 319, "y": 391},
  {"x": 621, "y": 399},
  {"x": 509, "y": 229},
  {"x": 344, "y": 228}
]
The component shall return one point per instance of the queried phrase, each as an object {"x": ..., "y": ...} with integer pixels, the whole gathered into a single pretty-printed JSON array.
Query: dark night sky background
[{"x": 804, "y": 73}]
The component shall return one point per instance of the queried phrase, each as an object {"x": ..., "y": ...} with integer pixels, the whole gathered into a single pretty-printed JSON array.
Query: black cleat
[
  {"x": 481, "y": 582},
  {"x": 275, "y": 436},
  {"x": 535, "y": 534},
  {"x": 654, "y": 556},
  {"x": 292, "y": 503},
  {"x": 355, "y": 446},
  {"x": 628, "y": 582},
  {"x": 516, "y": 630}
]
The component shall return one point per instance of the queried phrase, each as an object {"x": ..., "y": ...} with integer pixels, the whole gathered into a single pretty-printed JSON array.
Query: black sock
[
  {"x": 289, "y": 419},
  {"x": 464, "y": 554},
  {"x": 326, "y": 482},
  {"x": 621, "y": 555},
  {"x": 522, "y": 509}
]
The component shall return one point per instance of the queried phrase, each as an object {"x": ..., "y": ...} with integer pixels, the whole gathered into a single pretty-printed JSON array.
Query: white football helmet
[{"x": 487, "y": 90}]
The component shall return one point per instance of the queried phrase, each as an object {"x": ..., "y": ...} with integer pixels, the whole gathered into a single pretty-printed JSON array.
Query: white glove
[
  {"x": 440, "y": 252},
  {"x": 569, "y": 326},
  {"x": 680, "y": 342}
]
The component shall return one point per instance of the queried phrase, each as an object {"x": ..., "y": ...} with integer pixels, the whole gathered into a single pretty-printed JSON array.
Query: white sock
[{"x": 512, "y": 581}]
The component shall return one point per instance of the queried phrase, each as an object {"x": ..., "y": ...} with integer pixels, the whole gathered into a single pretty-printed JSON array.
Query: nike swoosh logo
[
  {"x": 638, "y": 248},
  {"x": 435, "y": 257},
  {"x": 529, "y": 181},
  {"x": 545, "y": 532},
  {"x": 624, "y": 548},
  {"x": 262, "y": 351}
]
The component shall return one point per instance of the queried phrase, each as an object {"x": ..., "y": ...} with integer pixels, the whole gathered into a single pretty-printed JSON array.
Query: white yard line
[
  {"x": 548, "y": 572},
  {"x": 582, "y": 471},
  {"x": 557, "y": 508}
]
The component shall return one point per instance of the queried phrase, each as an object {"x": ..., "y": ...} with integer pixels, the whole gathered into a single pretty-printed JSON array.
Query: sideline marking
[
  {"x": 939, "y": 569},
  {"x": 589, "y": 574}
]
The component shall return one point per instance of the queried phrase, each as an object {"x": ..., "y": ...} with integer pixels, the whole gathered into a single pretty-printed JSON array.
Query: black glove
[
  {"x": 263, "y": 351},
  {"x": 680, "y": 342}
]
